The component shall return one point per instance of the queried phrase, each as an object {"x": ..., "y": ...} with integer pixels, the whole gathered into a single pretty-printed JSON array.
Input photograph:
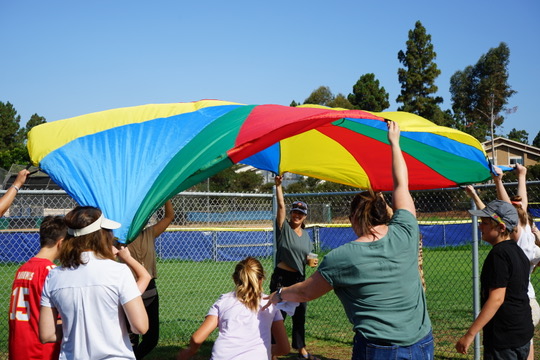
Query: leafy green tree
[
  {"x": 9, "y": 126},
  {"x": 294, "y": 104},
  {"x": 35, "y": 120},
  {"x": 418, "y": 76},
  {"x": 533, "y": 172},
  {"x": 480, "y": 93},
  {"x": 368, "y": 94},
  {"x": 536, "y": 141},
  {"x": 340, "y": 101},
  {"x": 521, "y": 136},
  {"x": 12, "y": 138},
  {"x": 320, "y": 96}
]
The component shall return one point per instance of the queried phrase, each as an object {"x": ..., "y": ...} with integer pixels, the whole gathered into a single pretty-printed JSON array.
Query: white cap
[{"x": 101, "y": 223}]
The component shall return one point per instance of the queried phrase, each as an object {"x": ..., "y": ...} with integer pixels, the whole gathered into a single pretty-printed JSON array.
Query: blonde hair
[{"x": 247, "y": 277}]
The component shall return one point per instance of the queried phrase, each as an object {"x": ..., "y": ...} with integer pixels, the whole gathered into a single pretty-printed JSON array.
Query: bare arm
[
  {"x": 522, "y": 186},
  {"x": 281, "y": 212},
  {"x": 49, "y": 330},
  {"x": 402, "y": 198},
  {"x": 501, "y": 191},
  {"x": 281, "y": 346},
  {"x": 162, "y": 224},
  {"x": 9, "y": 196},
  {"x": 492, "y": 305},
  {"x": 209, "y": 324},
  {"x": 143, "y": 276},
  {"x": 312, "y": 288},
  {"x": 471, "y": 192},
  {"x": 136, "y": 315}
]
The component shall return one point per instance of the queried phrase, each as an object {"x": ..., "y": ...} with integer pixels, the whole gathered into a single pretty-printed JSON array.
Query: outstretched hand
[
  {"x": 499, "y": 173},
  {"x": 270, "y": 302},
  {"x": 470, "y": 190},
  {"x": 278, "y": 179},
  {"x": 123, "y": 253},
  {"x": 394, "y": 132},
  {"x": 21, "y": 178},
  {"x": 520, "y": 169}
]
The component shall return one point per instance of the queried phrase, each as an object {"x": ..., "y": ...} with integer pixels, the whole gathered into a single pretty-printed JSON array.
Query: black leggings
[
  {"x": 150, "y": 339},
  {"x": 280, "y": 278}
]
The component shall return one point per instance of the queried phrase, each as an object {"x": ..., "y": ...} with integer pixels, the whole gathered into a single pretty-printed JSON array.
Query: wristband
[
  {"x": 15, "y": 187},
  {"x": 278, "y": 295}
]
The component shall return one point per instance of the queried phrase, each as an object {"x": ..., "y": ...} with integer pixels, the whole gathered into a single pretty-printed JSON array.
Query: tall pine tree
[
  {"x": 368, "y": 94},
  {"x": 418, "y": 76},
  {"x": 480, "y": 93}
]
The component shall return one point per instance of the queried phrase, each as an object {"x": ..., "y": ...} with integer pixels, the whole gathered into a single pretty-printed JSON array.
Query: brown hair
[
  {"x": 523, "y": 218},
  {"x": 51, "y": 230},
  {"x": 247, "y": 277},
  {"x": 368, "y": 209},
  {"x": 100, "y": 242}
]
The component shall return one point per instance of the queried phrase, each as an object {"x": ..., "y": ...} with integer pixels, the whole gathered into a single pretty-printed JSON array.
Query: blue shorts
[{"x": 365, "y": 350}]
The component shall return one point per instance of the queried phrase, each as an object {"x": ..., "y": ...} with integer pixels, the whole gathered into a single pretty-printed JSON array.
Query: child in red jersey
[{"x": 24, "y": 343}]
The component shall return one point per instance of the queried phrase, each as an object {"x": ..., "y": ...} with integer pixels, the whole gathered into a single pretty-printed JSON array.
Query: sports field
[{"x": 187, "y": 289}]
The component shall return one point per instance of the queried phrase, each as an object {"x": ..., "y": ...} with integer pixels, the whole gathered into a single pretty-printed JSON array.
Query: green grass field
[{"x": 187, "y": 289}]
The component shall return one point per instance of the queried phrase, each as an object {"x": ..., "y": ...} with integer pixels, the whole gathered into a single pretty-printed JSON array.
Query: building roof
[{"x": 500, "y": 141}]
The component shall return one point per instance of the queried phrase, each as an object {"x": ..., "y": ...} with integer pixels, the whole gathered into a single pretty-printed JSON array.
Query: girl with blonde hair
[{"x": 245, "y": 331}]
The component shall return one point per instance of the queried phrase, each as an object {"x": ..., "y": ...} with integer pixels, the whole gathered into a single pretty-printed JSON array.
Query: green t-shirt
[
  {"x": 291, "y": 248},
  {"x": 379, "y": 285}
]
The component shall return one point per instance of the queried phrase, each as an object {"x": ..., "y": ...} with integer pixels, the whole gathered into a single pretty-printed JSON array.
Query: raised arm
[
  {"x": 143, "y": 276},
  {"x": 522, "y": 185},
  {"x": 9, "y": 196},
  {"x": 497, "y": 179},
  {"x": 401, "y": 198},
  {"x": 471, "y": 192},
  {"x": 281, "y": 211},
  {"x": 164, "y": 223}
]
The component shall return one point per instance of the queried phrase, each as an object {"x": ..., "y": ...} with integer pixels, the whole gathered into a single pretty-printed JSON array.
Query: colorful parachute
[
  {"x": 129, "y": 161},
  {"x": 355, "y": 151}
]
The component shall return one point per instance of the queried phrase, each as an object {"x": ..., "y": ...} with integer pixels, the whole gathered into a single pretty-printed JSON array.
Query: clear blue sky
[{"x": 61, "y": 59}]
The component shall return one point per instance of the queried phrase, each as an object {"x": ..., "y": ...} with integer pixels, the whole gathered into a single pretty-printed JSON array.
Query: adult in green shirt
[
  {"x": 293, "y": 247},
  {"x": 376, "y": 276}
]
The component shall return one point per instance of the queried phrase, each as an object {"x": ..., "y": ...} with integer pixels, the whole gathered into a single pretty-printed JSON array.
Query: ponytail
[
  {"x": 247, "y": 277},
  {"x": 368, "y": 209}
]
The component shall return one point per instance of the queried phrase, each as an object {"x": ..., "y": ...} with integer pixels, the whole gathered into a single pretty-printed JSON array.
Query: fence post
[{"x": 476, "y": 284}]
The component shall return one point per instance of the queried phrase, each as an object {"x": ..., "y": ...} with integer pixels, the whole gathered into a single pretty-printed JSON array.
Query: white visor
[{"x": 101, "y": 223}]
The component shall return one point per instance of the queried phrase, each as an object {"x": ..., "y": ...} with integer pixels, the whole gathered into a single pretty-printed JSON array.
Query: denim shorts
[{"x": 365, "y": 350}]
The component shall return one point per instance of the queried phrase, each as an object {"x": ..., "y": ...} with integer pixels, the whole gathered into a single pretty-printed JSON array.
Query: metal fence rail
[{"x": 211, "y": 231}]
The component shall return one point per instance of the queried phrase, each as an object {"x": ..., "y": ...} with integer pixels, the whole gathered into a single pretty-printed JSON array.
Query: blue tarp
[{"x": 227, "y": 245}]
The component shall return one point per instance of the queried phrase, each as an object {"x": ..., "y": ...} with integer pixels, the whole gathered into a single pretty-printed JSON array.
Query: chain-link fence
[{"x": 212, "y": 231}]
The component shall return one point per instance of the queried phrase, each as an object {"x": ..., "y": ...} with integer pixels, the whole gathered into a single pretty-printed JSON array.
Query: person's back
[
  {"x": 26, "y": 291},
  {"x": 380, "y": 289},
  {"x": 97, "y": 287},
  {"x": 24, "y": 341},
  {"x": 243, "y": 333},
  {"x": 246, "y": 326}
]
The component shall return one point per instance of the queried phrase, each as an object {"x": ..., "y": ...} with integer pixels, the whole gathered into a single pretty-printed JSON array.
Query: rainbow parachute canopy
[{"x": 129, "y": 161}]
